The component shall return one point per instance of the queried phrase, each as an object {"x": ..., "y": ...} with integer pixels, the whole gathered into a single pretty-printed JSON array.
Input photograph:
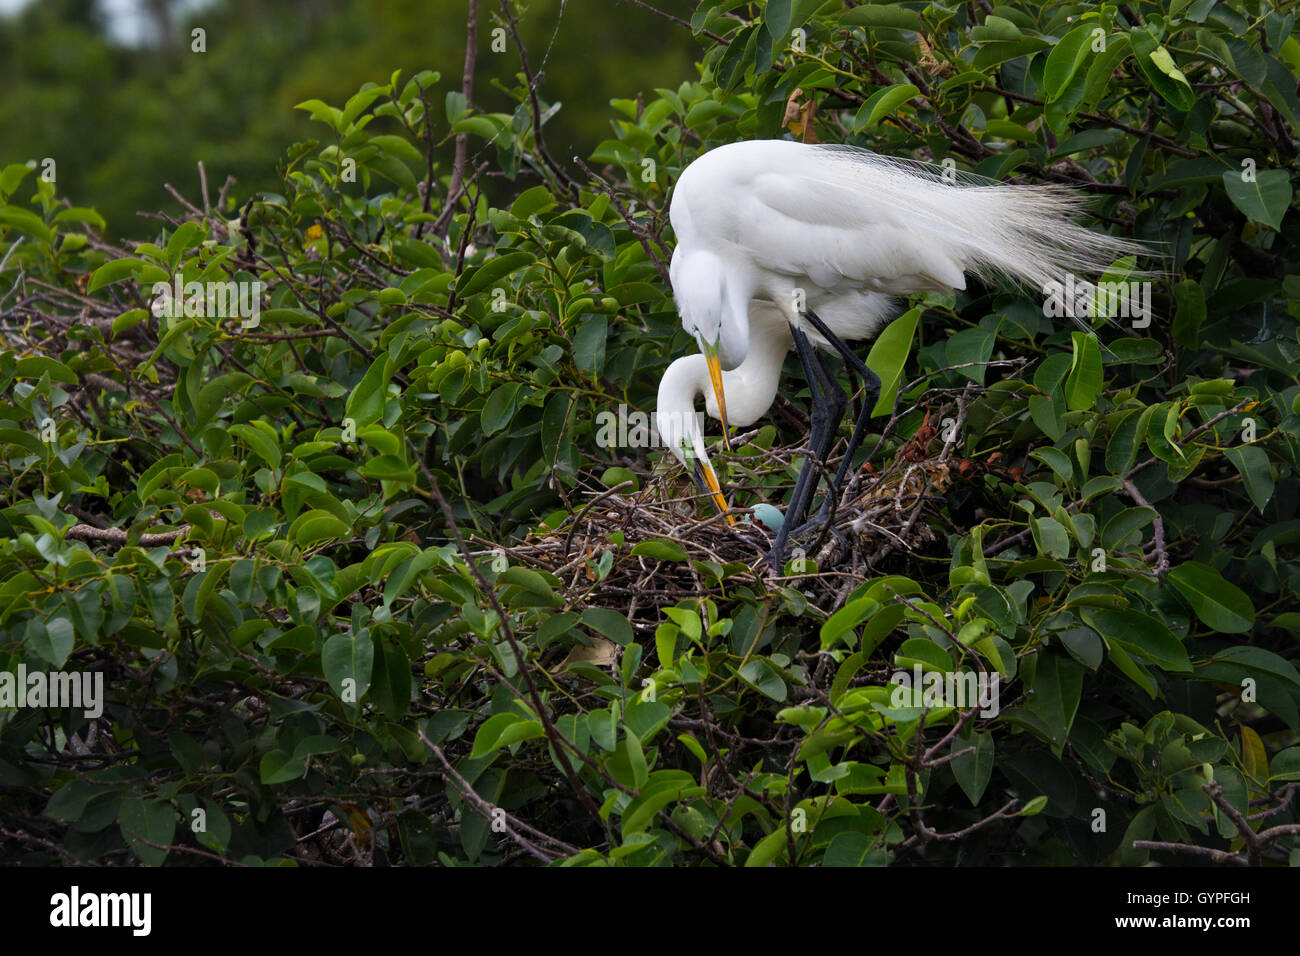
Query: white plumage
[{"x": 772, "y": 229}]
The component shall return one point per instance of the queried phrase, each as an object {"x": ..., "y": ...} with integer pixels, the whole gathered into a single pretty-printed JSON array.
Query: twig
[
  {"x": 462, "y": 139},
  {"x": 118, "y": 537},
  {"x": 561, "y": 177},
  {"x": 1158, "y": 527},
  {"x": 1218, "y": 856},
  {"x": 679, "y": 21}
]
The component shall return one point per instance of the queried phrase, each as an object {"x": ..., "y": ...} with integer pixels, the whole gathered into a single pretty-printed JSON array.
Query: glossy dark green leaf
[
  {"x": 973, "y": 770},
  {"x": 1218, "y": 603}
]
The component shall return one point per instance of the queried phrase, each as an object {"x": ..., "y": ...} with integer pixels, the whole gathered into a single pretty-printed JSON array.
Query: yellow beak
[
  {"x": 708, "y": 480},
  {"x": 710, "y": 350}
]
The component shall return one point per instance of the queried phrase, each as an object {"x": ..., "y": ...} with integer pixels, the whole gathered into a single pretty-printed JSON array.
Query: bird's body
[{"x": 782, "y": 243}]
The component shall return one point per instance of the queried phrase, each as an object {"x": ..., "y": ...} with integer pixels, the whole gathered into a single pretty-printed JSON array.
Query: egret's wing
[
  {"x": 842, "y": 216},
  {"x": 837, "y": 233}
]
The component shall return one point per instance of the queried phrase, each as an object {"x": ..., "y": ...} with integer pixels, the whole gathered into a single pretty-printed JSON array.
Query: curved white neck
[{"x": 750, "y": 389}]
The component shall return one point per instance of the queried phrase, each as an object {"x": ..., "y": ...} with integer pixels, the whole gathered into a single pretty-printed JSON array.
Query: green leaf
[
  {"x": 923, "y": 651},
  {"x": 1051, "y": 537},
  {"x": 768, "y": 849},
  {"x": 1131, "y": 668},
  {"x": 846, "y": 619},
  {"x": 278, "y": 766},
  {"x": 888, "y": 357},
  {"x": 1140, "y": 634},
  {"x": 850, "y": 848},
  {"x": 81, "y": 214},
  {"x": 589, "y": 345},
  {"x": 761, "y": 676},
  {"x": 323, "y": 112},
  {"x": 971, "y": 346},
  {"x": 499, "y": 408},
  {"x": 1218, "y": 603},
  {"x": 538, "y": 199},
  {"x": 881, "y": 104},
  {"x": 660, "y": 549},
  {"x": 1065, "y": 59},
  {"x": 664, "y": 787},
  {"x": 35, "y": 366},
  {"x": 995, "y": 53},
  {"x": 1055, "y": 459},
  {"x": 1057, "y": 688},
  {"x": 388, "y": 468},
  {"x": 398, "y": 147},
  {"x": 115, "y": 270},
  {"x": 1034, "y": 806},
  {"x": 503, "y": 730},
  {"x": 366, "y": 403},
  {"x": 128, "y": 319},
  {"x": 613, "y": 626},
  {"x": 1285, "y": 766},
  {"x": 51, "y": 640},
  {"x": 1252, "y": 464},
  {"x": 1047, "y": 413},
  {"x": 894, "y": 16},
  {"x": 492, "y": 272},
  {"x": 1126, "y": 440},
  {"x": 10, "y": 177},
  {"x": 1158, "y": 67},
  {"x": 1083, "y": 645},
  {"x": 1102, "y": 69},
  {"x": 1124, "y": 523},
  {"x": 973, "y": 770},
  {"x": 26, "y": 221},
  {"x": 259, "y": 442},
  {"x": 488, "y": 127},
  {"x": 1084, "y": 382},
  {"x": 542, "y": 585},
  {"x": 394, "y": 170},
  {"x": 147, "y": 820},
  {"x": 995, "y": 29},
  {"x": 187, "y": 236},
  {"x": 406, "y": 573},
  {"x": 1190, "y": 313},
  {"x": 390, "y": 687},
  {"x": 316, "y": 526},
  {"x": 1265, "y": 200},
  {"x": 348, "y": 661}
]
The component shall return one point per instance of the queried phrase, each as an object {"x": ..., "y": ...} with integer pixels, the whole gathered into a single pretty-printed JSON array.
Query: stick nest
[{"x": 881, "y": 517}]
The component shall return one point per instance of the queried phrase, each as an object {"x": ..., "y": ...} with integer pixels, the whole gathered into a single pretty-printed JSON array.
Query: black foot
[
  {"x": 804, "y": 538},
  {"x": 811, "y": 530}
]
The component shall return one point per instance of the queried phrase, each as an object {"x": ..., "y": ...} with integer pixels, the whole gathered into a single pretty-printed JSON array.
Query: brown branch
[
  {"x": 642, "y": 234},
  {"x": 1158, "y": 526},
  {"x": 562, "y": 178},
  {"x": 118, "y": 537},
  {"x": 559, "y": 742},
  {"x": 679, "y": 21},
  {"x": 462, "y": 139},
  {"x": 1218, "y": 856},
  {"x": 487, "y": 810}
]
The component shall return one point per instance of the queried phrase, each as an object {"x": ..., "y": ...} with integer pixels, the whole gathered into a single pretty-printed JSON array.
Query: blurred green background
[{"x": 111, "y": 90}]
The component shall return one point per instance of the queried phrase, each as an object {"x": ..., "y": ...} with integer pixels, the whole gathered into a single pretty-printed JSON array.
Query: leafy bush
[{"x": 295, "y": 544}]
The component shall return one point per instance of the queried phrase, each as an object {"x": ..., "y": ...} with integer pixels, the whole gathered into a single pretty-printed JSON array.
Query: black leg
[
  {"x": 870, "y": 395},
  {"x": 828, "y": 411}
]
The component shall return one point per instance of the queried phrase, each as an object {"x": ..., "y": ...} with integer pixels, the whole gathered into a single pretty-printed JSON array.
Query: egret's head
[{"x": 699, "y": 287}]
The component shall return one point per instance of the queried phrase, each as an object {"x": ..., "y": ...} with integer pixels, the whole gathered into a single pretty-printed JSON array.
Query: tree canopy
[{"x": 367, "y": 584}]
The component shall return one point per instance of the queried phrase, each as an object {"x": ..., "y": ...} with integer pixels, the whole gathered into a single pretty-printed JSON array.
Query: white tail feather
[{"x": 1026, "y": 233}]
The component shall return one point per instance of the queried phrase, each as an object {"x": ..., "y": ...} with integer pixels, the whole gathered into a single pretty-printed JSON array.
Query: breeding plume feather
[{"x": 782, "y": 243}]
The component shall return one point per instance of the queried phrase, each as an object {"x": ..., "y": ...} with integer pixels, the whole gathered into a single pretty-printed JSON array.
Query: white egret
[{"x": 782, "y": 243}]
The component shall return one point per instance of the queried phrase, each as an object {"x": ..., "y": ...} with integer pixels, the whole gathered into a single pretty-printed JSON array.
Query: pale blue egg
[{"x": 769, "y": 515}]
